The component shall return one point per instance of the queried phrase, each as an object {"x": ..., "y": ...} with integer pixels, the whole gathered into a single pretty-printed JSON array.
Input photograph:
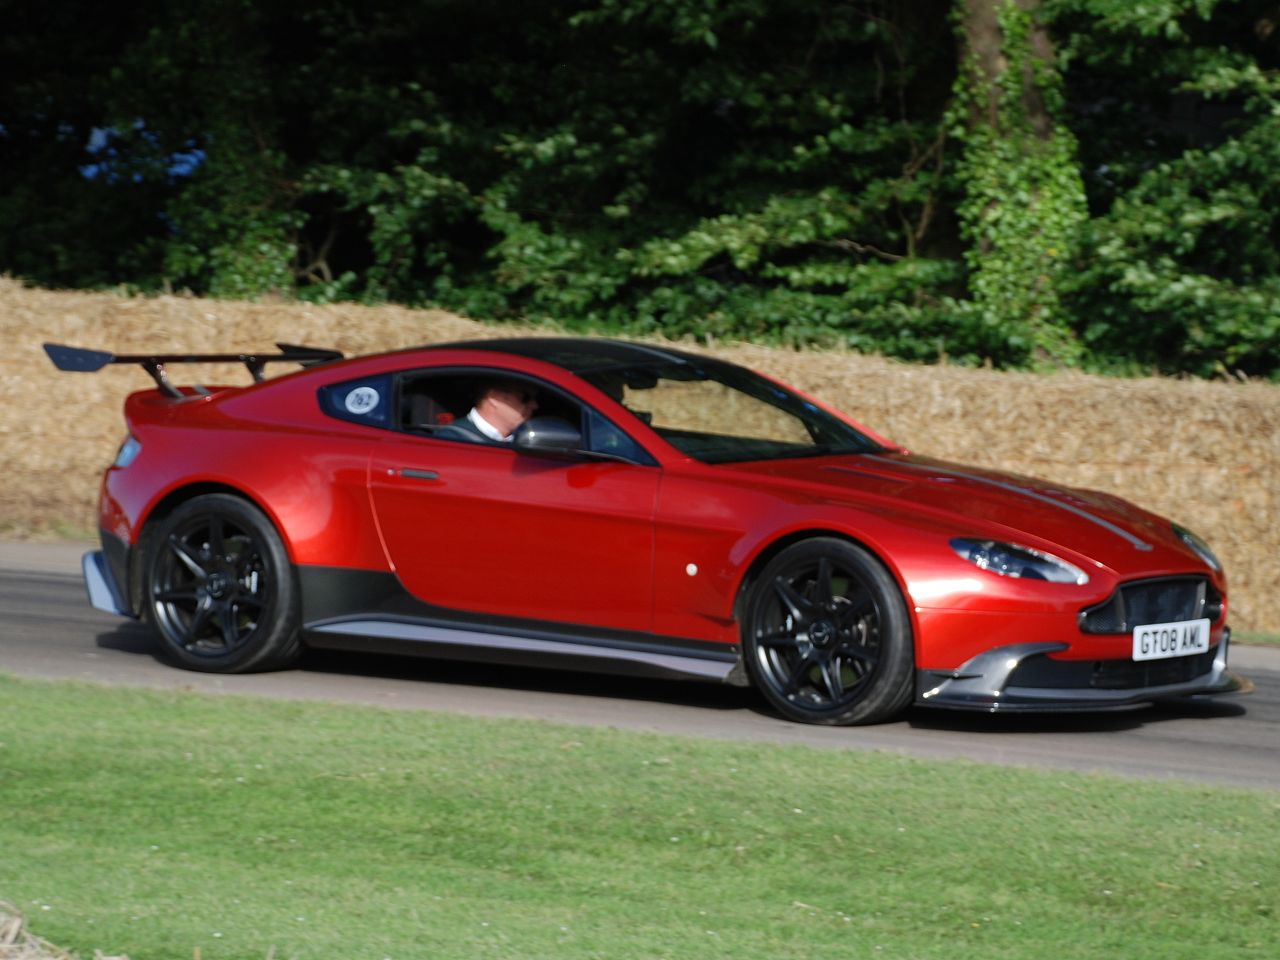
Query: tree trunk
[
  {"x": 983, "y": 41},
  {"x": 1024, "y": 196}
]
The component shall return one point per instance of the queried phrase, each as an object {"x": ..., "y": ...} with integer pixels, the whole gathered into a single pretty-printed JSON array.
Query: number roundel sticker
[{"x": 362, "y": 400}]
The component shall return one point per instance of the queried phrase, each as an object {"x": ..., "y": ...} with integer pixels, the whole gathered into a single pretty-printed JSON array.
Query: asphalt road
[{"x": 48, "y": 629}]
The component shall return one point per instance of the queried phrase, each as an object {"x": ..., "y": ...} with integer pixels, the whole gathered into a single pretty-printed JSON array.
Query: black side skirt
[{"x": 371, "y": 611}]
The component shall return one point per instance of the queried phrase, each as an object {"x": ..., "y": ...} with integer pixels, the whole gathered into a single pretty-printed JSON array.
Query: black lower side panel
[{"x": 371, "y": 611}]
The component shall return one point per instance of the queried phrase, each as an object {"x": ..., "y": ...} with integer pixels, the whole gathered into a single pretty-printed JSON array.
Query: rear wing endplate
[{"x": 89, "y": 361}]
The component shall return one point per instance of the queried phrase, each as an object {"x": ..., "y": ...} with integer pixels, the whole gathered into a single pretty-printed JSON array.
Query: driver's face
[
  {"x": 508, "y": 407},
  {"x": 525, "y": 401}
]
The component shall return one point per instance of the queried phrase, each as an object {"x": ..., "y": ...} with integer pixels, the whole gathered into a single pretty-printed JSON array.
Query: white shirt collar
[{"x": 485, "y": 427}]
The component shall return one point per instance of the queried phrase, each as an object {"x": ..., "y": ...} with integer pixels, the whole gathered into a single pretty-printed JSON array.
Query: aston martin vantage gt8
[{"x": 650, "y": 511}]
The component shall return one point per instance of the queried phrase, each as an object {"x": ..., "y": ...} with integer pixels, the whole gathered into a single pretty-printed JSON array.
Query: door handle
[{"x": 410, "y": 473}]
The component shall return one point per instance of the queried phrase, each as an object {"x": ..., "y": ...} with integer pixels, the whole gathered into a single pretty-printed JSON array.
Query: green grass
[
  {"x": 43, "y": 533},
  {"x": 162, "y": 824},
  {"x": 1261, "y": 639}
]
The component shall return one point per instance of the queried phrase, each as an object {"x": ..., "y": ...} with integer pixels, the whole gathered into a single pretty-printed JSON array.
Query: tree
[
  {"x": 1028, "y": 182},
  {"x": 1024, "y": 199},
  {"x": 1178, "y": 108},
  {"x": 69, "y": 213}
]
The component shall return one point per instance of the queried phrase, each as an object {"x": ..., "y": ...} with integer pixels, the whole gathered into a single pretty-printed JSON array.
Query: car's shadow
[
  {"x": 136, "y": 639},
  {"x": 131, "y": 637},
  {"x": 604, "y": 686},
  {"x": 926, "y": 718}
]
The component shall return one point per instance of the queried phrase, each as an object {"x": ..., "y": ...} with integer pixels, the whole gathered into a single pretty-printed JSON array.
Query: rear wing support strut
[{"x": 78, "y": 360}]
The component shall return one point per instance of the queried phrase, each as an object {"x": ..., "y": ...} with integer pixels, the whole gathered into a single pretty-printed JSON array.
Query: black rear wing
[{"x": 89, "y": 361}]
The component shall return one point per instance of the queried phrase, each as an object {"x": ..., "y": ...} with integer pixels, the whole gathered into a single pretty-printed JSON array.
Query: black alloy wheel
[
  {"x": 826, "y": 635},
  {"x": 220, "y": 588}
]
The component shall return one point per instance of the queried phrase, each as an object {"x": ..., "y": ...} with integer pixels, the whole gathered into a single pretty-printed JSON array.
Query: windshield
[{"x": 720, "y": 413}]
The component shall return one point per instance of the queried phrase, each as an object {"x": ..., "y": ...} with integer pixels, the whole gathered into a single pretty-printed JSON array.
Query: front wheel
[
  {"x": 826, "y": 636},
  {"x": 220, "y": 589}
]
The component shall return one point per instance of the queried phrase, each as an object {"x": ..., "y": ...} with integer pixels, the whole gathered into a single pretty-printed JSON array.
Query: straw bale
[{"x": 1206, "y": 454}]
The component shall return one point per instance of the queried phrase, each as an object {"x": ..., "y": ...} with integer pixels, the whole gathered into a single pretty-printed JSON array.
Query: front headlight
[
  {"x": 1199, "y": 547},
  {"x": 1011, "y": 560}
]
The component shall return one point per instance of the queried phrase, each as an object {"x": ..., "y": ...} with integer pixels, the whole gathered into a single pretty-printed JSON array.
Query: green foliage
[
  {"x": 1192, "y": 249},
  {"x": 1024, "y": 201},
  {"x": 238, "y": 249},
  {"x": 57, "y": 225},
  {"x": 798, "y": 172},
  {"x": 1149, "y": 19},
  {"x": 722, "y": 205},
  {"x": 1179, "y": 267}
]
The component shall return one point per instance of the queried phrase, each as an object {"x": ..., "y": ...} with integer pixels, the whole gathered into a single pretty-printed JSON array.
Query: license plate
[{"x": 1162, "y": 641}]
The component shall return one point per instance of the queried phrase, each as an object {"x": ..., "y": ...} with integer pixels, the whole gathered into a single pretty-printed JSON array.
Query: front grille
[
  {"x": 1044, "y": 672},
  {"x": 1165, "y": 600}
]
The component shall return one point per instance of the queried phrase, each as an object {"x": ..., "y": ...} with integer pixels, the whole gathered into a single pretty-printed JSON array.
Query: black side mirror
[{"x": 547, "y": 435}]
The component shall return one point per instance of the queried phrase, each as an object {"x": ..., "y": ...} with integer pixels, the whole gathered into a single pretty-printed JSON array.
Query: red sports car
[{"x": 640, "y": 509}]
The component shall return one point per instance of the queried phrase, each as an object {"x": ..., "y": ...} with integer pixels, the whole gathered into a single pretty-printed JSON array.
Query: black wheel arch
[
  {"x": 775, "y": 547},
  {"x": 853, "y": 668},
  {"x": 162, "y": 509},
  {"x": 215, "y": 588}
]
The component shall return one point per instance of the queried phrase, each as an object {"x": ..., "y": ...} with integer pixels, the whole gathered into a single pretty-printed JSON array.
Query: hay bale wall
[{"x": 1205, "y": 454}]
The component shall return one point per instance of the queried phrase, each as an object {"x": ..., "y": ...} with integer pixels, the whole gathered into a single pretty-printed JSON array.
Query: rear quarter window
[{"x": 367, "y": 400}]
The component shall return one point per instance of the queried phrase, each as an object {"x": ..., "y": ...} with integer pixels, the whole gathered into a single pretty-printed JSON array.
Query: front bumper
[{"x": 1023, "y": 678}]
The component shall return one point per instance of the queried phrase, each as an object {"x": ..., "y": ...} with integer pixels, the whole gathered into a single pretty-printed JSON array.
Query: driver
[{"x": 501, "y": 407}]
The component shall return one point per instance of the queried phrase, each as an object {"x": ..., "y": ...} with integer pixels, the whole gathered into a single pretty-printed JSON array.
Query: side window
[
  {"x": 603, "y": 437},
  {"x": 428, "y": 403},
  {"x": 437, "y": 404},
  {"x": 367, "y": 401}
]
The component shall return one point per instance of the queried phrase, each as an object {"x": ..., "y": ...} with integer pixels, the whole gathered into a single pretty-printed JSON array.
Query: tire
[
  {"x": 826, "y": 636},
  {"x": 219, "y": 588}
]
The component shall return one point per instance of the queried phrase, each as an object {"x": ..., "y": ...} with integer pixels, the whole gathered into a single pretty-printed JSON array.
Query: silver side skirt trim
[{"x": 424, "y": 633}]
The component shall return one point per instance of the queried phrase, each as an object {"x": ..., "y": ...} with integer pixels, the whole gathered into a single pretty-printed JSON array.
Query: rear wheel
[
  {"x": 220, "y": 589},
  {"x": 826, "y": 636}
]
